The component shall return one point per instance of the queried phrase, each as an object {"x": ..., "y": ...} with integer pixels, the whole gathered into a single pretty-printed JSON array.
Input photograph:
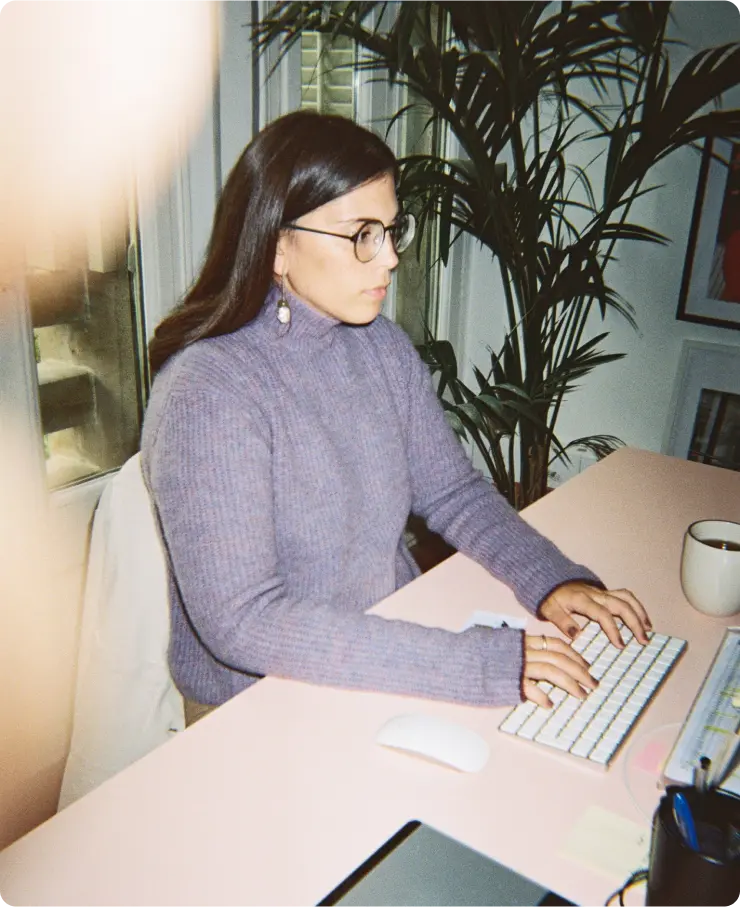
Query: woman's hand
[
  {"x": 551, "y": 659},
  {"x": 599, "y": 605}
]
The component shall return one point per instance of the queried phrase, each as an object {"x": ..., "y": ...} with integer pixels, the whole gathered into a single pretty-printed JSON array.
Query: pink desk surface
[{"x": 278, "y": 795}]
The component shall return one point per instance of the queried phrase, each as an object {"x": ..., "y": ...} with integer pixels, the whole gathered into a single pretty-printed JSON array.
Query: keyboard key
[{"x": 517, "y": 718}]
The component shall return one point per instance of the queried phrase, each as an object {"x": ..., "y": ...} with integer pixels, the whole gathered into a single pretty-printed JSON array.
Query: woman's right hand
[{"x": 551, "y": 659}]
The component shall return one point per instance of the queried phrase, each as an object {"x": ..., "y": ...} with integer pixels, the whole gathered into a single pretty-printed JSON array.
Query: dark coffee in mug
[{"x": 722, "y": 544}]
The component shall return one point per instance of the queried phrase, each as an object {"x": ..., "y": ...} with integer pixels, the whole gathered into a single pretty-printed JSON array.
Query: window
[
  {"x": 84, "y": 304},
  {"x": 83, "y": 307},
  {"x": 327, "y": 75}
]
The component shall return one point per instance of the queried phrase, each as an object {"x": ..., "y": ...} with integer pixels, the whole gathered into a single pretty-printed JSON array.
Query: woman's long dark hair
[{"x": 297, "y": 163}]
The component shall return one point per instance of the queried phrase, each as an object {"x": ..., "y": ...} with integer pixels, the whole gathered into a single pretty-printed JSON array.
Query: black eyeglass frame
[{"x": 355, "y": 236}]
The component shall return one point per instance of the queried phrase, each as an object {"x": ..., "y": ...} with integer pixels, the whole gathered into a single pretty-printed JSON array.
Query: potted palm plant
[{"x": 522, "y": 86}]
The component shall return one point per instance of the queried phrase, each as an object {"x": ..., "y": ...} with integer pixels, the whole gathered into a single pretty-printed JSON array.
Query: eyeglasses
[{"x": 369, "y": 239}]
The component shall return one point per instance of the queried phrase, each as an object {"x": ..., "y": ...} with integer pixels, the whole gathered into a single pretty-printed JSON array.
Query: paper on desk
[
  {"x": 489, "y": 619},
  {"x": 608, "y": 843}
]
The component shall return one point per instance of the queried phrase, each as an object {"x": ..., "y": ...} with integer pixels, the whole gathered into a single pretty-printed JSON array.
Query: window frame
[{"x": 18, "y": 395}]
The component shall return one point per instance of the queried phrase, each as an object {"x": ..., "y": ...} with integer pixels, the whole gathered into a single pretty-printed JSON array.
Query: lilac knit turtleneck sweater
[{"x": 283, "y": 462}]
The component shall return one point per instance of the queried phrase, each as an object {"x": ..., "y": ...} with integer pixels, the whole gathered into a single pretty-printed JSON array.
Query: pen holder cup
[{"x": 678, "y": 874}]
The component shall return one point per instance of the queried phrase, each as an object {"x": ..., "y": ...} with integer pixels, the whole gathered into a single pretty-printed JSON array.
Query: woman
[{"x": 291, "y": 431}]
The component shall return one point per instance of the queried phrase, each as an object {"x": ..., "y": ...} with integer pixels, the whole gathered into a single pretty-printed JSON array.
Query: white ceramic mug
[{"x": 710, "y": 567}]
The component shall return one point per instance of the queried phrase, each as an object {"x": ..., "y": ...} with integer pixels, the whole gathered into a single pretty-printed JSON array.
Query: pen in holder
[{"x": 695, "y": 848}]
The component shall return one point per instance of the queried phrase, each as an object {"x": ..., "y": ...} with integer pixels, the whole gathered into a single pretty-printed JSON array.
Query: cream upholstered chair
[{"x": 126, "y": 703}]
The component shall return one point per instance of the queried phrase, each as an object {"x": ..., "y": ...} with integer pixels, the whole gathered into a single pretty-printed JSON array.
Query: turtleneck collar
[{"x": 306, "y": 327}]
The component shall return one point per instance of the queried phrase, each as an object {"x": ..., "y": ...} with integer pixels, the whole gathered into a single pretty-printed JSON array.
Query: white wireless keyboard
[{"x": 594, "y": 728}]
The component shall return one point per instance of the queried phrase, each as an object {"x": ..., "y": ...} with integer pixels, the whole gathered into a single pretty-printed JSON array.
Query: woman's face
[{"x": 324, "y": 272}]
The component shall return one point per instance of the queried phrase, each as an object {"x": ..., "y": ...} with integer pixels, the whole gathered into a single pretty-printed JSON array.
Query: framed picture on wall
[
  {"x": 705, "y": 420},
  {"x": 710, "y": 288}
]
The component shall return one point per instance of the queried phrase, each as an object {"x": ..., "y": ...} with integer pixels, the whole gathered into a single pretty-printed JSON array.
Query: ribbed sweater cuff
[
  {"x": 503, "y": 662},
  {"x": 540, "y": 579}
]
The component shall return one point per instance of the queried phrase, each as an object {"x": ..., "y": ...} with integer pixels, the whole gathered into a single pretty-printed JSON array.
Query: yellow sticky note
[{"x": 608, "y": 843}]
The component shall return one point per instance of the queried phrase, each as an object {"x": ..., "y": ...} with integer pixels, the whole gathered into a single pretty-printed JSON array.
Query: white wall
[{"x": 630, "y": 398}]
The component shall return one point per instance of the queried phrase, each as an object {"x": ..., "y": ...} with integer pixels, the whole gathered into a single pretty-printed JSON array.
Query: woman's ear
[{"x": 280, "y": 265}]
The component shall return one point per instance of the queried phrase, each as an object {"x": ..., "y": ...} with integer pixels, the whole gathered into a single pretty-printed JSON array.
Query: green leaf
[
  {"x": 449, "y": 67},
  {"x": 636, "y": 232},
  {"x": 456, "y": 423},
  {"x": 617, "y": 145},
  {"x": 599, "y": 445}
]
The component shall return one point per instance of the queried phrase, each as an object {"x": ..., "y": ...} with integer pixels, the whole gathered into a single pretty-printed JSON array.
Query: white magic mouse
[{"x": 437, "y": 740}]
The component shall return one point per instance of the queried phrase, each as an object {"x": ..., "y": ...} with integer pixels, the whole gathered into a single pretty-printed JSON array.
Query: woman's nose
[{"x": 388, "y": 255}]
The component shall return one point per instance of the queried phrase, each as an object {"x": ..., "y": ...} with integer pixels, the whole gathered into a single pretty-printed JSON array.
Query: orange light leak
[{"x": 90, "y": 93}]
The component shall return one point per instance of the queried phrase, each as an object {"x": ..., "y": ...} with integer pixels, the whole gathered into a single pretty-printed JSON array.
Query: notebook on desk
[
  {"x": 419, "y": 865},
  {"x": 713, "y": 721}
]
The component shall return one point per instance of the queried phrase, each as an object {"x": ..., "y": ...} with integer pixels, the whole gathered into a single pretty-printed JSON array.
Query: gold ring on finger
[{"x": 544, "y": 643}]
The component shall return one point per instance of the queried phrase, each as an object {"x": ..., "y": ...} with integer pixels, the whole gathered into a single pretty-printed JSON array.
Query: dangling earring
[{"x": 283, "y": 308}]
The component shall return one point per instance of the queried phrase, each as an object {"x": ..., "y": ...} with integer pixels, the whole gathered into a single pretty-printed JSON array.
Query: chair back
[{"x": 126, "y": 703}]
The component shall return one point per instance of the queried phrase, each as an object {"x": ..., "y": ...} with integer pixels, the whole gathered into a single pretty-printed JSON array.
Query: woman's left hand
[{"x": 600, "y": 605}]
